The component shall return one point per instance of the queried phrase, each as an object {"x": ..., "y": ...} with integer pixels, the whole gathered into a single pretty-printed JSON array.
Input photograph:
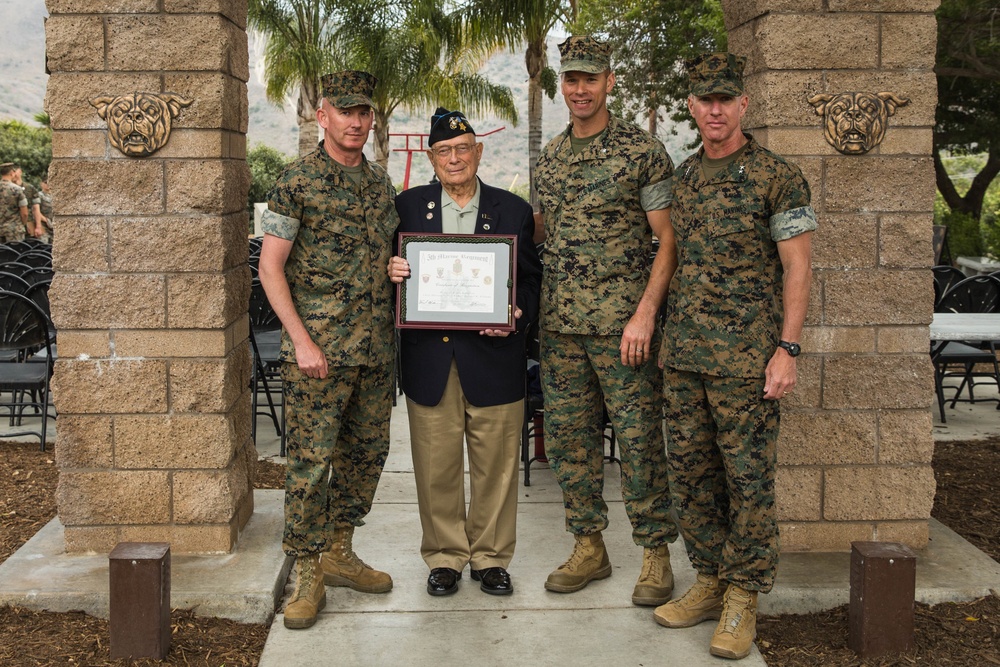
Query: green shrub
[
  {"x": 30, "y": 147},
  {"x": 266, "y": 164},
  {"x": 965, "y": 238}
]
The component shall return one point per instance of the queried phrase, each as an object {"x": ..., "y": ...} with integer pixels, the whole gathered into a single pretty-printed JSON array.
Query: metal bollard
[
  {"x": 883, "y": 583},
  {"x": 139, "y": 574}
]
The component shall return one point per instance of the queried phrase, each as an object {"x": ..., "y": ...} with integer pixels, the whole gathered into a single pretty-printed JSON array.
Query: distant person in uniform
[
  {"x": 604, "y": 186},
  {"x": 737, "y": 302},
  {"x": 329, "y": 230},
  {"x": 13, "y": 205},
  {"x": 32, "y": 194},
  {"x": 45, "y": 208},
  {"x": 466, "y": 385}
]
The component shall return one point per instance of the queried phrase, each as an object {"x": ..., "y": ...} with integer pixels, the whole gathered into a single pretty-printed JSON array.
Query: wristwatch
[{"x": 792, "y": 349}]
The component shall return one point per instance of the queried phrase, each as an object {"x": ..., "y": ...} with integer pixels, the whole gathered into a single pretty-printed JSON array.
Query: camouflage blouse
[
  {"x": 598, "y": 241},
  {"x": 724, "y": 304},
  {"x": 342, "y": 240}
]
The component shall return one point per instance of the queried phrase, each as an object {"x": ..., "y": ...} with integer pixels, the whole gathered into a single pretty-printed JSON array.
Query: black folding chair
[
  {"x": 978, "y": 294},
  {"x": 265, "y": 341},
  {"x": 24, "y": 330},
  {"x": 945, "y": 277}
]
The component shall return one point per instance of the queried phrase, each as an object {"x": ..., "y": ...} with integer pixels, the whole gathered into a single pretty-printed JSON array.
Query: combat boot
[
  {"x": 702, "y": 602},
  {"x": 588, "y": 561},
  {"x": 656, "y": 580},
  {"x": 342, "y": 567},
  {"x": 309, "y": 596},
  {"x": 738, "y": 627}
]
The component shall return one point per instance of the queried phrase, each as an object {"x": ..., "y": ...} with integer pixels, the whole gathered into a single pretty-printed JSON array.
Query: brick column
[
  {"x": 151, "y": 287},
  {"x": 856, "y": 445}
]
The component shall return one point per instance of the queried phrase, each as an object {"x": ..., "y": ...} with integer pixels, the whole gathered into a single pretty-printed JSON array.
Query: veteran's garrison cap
[{"x": 448, "y": 125}]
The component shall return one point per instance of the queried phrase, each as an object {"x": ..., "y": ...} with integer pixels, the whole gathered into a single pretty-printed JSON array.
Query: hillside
[{"x": 505, "y": 161}]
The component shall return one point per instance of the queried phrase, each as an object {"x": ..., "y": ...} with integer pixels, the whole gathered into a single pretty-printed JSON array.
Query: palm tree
[
  {"x": 299, "y": 43},
  {"x": 421, "y": 57},
  {"x": 517, "y": 22}
]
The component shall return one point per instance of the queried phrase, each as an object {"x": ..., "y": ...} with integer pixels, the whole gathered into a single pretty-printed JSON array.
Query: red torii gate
[{"x": 420, "y": 148}]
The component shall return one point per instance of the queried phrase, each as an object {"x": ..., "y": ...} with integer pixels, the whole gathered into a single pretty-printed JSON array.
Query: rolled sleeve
[
  {"x": 279, "y": 225},
  {"x": 657, "y": 196},
  {"x": 791, "y": 223}
]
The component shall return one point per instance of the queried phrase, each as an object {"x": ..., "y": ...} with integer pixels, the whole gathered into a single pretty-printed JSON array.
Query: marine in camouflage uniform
[
  {"x": 13, "y": 206},
  {"x": 34, "y": 198},
  {"x": 45, "y": 207},
  {"x": 741, "y": 217},
  {"x": 330, "y": 226},
  {"x": 601, "y": 203}
]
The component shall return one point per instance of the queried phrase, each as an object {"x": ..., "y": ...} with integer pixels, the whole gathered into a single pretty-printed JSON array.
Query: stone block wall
[
  {"x": 856, "y": 445},
  {"x": 151, "y": 286}
]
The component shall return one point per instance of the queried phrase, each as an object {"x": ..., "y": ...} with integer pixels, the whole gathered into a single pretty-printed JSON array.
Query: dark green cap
[
  {"x": 349, "y": 88},
  {"x": 716, "y": 74},
  {"x": 583, "y": 53}
]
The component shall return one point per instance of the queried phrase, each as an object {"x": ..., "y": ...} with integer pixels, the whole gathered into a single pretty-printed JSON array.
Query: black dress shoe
[
  {"x": 493, "y": 580},
  {"x": 443, "y": 581}
]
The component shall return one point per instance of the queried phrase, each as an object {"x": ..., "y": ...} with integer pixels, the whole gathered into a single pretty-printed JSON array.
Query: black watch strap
[{"x": 793, "y": 349}]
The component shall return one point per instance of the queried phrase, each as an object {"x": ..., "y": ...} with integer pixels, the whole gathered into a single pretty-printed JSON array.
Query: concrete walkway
[{"x": 596, "y": 626}]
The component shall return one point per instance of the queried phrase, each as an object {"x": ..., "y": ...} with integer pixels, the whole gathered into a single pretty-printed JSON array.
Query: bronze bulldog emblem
[
  {"x": 139, "y": 124},
  {"x": 855, "y": 123}
]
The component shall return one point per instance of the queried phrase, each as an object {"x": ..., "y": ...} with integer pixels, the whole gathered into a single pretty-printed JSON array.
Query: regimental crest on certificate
[{"x": 458, "y": 281}]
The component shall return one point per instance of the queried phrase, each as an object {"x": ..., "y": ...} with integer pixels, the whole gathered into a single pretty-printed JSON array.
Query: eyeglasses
[{"x": 461, "y": 150}]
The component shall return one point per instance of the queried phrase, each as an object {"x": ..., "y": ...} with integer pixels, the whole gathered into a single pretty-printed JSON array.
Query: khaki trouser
[{"x": 485, "y": 534}]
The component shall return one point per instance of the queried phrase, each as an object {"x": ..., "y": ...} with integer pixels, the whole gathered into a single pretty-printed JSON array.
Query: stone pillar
[
  {"x": 855, "y": 448},
  {"x": 151, "y": 287}
]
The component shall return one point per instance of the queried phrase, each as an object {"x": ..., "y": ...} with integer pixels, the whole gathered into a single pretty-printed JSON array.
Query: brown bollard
[
  {"x": 140, "y": 600},
  {"x": 883, "y": 583}
]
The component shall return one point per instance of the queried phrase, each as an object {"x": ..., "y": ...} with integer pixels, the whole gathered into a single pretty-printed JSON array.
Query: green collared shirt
[{"x": 456, "y": 219}]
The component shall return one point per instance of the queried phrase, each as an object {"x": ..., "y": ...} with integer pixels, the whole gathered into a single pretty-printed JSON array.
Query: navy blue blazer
[{"x": 491, "y": 369}]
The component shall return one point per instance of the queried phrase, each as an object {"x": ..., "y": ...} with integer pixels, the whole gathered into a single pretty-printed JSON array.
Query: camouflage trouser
[
  {"x": 721, "y": 442},
  {"x": 12, "y": 231},
  {"x": 579, "y": 375},
  {"x": 338, "y": 439}
]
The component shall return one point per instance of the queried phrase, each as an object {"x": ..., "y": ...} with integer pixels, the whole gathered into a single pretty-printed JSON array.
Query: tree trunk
[
  {"x": 306, "y": 118},
  {"x": 972, "y": 203},
  {"x": 382, "y": 138},
  {"x": 534, "y": 59}
]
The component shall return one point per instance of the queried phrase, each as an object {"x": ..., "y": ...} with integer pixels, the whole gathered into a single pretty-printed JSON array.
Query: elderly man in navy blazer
[{"x": 466, "y": 385}]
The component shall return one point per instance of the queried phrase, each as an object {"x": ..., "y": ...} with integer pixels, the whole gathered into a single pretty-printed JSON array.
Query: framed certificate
[{"x": 457, "y": 281}]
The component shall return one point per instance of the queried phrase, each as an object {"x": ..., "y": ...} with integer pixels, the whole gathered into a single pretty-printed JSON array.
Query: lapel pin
[
  {"x": 430, "y": 215},
  {"x": 430, "y": 204},
  {"x": 486, "y": 227}
]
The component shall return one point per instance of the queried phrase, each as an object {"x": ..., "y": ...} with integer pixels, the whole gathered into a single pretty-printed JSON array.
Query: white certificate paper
[{"x": 456, "y": 282}]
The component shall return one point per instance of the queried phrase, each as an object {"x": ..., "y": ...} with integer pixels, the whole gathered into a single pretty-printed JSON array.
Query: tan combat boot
[
  {"x": 656, "y": 580},
  {"x": 738, "y": 627},
  {"x": 588, "y": 561},
  {"x": 702, "y": 602},
  {"x": 342, "y": 567},
  {"x": 309, "y": 595}
]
